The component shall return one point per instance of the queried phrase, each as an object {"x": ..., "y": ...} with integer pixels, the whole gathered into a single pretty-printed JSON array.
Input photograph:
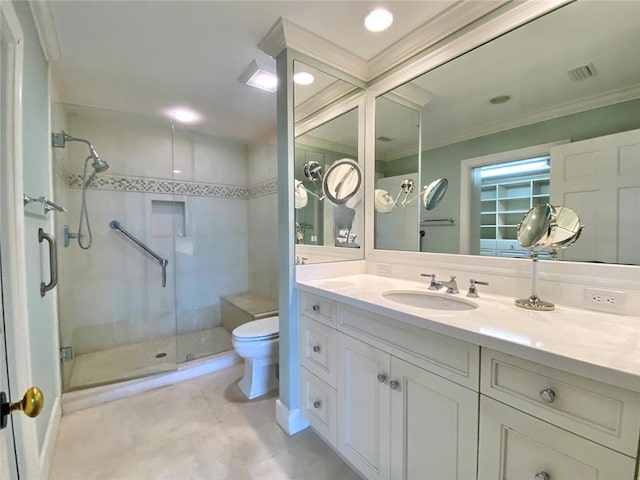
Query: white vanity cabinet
[
  {"x": 544, "y": 424},
  {"x": 394, "y": 417}
]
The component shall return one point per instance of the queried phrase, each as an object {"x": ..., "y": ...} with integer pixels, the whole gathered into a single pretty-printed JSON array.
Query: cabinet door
[
  {"x": 363, "y": 407},
  {"x": 434, "y": 426},
  {"x": 515, "y": 446}
]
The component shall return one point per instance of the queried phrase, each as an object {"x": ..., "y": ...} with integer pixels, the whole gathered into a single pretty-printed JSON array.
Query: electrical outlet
[{"x": 609, "y": 300}]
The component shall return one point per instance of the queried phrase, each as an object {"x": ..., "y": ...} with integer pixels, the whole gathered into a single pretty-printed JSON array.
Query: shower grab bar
[
  {"x": 115, "y": 225},
  {"x": 53, "y": 262}
]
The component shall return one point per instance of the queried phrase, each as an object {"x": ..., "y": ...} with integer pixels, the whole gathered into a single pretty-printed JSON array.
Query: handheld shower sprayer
[{"x": 59, "y": 140}]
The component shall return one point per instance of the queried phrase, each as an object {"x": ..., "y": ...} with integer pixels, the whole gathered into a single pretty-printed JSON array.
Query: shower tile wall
[
  {"x": 111, "y": 294},
  {"x": 263, "y": 221}
]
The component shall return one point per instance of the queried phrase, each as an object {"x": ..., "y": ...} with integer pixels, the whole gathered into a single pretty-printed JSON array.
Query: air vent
[
  {"x": 385, "y": 139},
  {"x": 582, "y": 73}
]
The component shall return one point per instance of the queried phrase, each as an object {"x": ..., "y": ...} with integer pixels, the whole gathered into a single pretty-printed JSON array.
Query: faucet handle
[
  {"x": 434, "y": 285},
  {"x": 473, "y": 291}
]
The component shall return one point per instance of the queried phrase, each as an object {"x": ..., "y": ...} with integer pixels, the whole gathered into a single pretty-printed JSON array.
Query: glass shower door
[{"x": 116, "y": 302}]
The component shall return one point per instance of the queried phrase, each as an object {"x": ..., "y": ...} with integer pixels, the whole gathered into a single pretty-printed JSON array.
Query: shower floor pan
[{"x": 146, "y": 358}]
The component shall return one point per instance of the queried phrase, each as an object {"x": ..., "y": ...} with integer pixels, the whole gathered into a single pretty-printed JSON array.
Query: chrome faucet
[
  {"x": 473, "y": 291},
  {"x": 452, "y": 285},
  {"x": 434, "y": 285}
]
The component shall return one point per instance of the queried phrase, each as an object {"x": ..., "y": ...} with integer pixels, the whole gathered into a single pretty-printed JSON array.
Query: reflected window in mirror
[{"x": 570, "y": 76}]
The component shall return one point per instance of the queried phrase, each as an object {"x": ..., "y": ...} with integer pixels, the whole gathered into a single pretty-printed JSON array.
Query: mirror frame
[{"x": 477, "y": 34}]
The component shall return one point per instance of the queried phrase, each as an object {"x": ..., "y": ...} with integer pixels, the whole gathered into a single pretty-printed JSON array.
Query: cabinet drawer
[
  {"x": 606, "y": 414},
  {"x": 318, "y": 308},
  {"x": 318, "y": 350},
  {"x": 318, "y": 402},
  {"x": 516, "y": 446},
  {"x": 453, "y": 359}
]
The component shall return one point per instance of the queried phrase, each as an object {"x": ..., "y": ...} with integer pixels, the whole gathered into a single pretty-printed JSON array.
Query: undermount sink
[{"x": 433, "y": 301}]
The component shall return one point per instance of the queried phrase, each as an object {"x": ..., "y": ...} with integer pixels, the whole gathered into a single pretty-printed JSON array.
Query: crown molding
[
  {"x": 286, "y": 34},
  {"x": 315, "y": 142},
  {"x": 47, "y": 30},
  {"x": 410, "y": 95},
  {"x": 449, "y": 21},
  {"x": 582, "y": 105},
  {"x": 327, "y": 96}
]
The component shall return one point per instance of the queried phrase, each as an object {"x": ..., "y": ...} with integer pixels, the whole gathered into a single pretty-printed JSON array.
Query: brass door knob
[{"x": 31, "y": 404}]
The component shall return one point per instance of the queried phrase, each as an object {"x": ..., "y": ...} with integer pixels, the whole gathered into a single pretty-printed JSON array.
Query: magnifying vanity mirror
[
  {"x": 545, "y": 228},
  {"x": 328, "y": 178},
  {"x": 559, "y": 128}
]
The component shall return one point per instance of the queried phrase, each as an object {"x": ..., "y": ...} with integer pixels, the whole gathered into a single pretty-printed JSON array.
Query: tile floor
[
  {"x": 139, "y": 359},
  {"x": 201, "y": 429}
]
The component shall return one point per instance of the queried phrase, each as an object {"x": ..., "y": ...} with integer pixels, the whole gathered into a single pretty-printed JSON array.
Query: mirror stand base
[{"x": 534, "y": 303}]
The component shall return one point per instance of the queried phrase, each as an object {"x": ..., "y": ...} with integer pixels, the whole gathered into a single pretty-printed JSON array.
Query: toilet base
[{"x": 259, "y": 377}]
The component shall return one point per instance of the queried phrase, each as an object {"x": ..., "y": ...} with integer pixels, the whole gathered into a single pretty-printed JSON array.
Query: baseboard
[
  {"x": 49, "y": 444},
  {"x": 291, "y": 421},
  {"x": 82, "y": 399}
]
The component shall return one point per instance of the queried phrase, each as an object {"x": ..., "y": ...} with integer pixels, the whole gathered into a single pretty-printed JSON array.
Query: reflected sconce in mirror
[
  {"x": 545, "y": 227},
  {"x": 300, "y": 197},
  {"x": 432, "y": 195}
]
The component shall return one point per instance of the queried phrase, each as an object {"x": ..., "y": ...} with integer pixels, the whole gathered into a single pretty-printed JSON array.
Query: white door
[
  {"x": 8, "y": 462},
  {"x": 599, "y": 178},
  {"x": 363, "y": 407},
  {"x": 434, "y": 426}
]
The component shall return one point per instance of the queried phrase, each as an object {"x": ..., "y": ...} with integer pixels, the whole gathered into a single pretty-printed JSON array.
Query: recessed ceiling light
[
  {"x": 303, "y": 78},
  {"x": 378, "y": 20},
  {"x": 177, "y": 171},
  {"x": 259, "y": 77},
  {"x": 183, "y": 115},
  {"x": 500, "y": 99}
]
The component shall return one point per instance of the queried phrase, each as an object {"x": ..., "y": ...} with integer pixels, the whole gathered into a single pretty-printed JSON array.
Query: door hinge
[{"x": 66, "y": 354}]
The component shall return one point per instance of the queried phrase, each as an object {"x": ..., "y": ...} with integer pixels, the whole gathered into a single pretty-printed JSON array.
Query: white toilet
[{"x": 257, "y": 343}]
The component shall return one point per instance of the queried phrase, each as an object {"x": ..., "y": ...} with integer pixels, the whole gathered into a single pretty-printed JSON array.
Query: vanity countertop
[{"x": 593, "y": 344}]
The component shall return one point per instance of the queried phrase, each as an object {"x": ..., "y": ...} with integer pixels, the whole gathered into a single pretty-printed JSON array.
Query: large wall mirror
[
  {"x": 547, "y": 113},
  {"x": 328, "y": 177}
]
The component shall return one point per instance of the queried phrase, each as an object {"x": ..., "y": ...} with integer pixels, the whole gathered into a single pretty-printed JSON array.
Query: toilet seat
[{"x": 263, "y": 329}]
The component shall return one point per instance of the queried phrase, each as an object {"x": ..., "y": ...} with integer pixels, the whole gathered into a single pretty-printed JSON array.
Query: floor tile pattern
[{"x": 201, "y": 429}]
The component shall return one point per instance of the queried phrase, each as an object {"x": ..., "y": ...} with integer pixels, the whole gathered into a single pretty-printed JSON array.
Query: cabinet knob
[
  {"x": 547, "y": 396},
  {"x": 317, "y": 404},
  {"x": 382, "y": 377},
  {"x": 542, "y": 476},
  {"x": 316, "y": 308},
  {"x": 394, "y": 384},
  {"x": 316, "y": 348}
]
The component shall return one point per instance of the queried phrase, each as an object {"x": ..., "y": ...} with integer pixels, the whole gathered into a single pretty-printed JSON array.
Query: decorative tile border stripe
[
  {"x": 269, "y": 187},
  {"x": 163, "y": 186}
]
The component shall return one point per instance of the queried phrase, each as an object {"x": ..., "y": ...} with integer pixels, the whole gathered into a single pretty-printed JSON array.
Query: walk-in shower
[
  {"x": 170, "y": 222},
  {"x": 59, "y": 140}
]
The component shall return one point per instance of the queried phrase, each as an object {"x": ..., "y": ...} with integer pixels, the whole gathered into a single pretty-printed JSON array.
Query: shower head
[
  {"x": 59, "y": 139},
  {"x": 99, "y": 165}
]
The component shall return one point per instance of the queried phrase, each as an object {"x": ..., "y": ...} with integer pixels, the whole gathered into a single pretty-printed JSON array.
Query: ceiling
[
  {"x": 530, "y": 65},
  {"x": 145, "y": 57}
]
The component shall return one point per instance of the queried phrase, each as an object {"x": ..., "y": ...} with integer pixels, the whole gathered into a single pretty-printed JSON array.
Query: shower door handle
[{"x": 53, "y": 262}]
